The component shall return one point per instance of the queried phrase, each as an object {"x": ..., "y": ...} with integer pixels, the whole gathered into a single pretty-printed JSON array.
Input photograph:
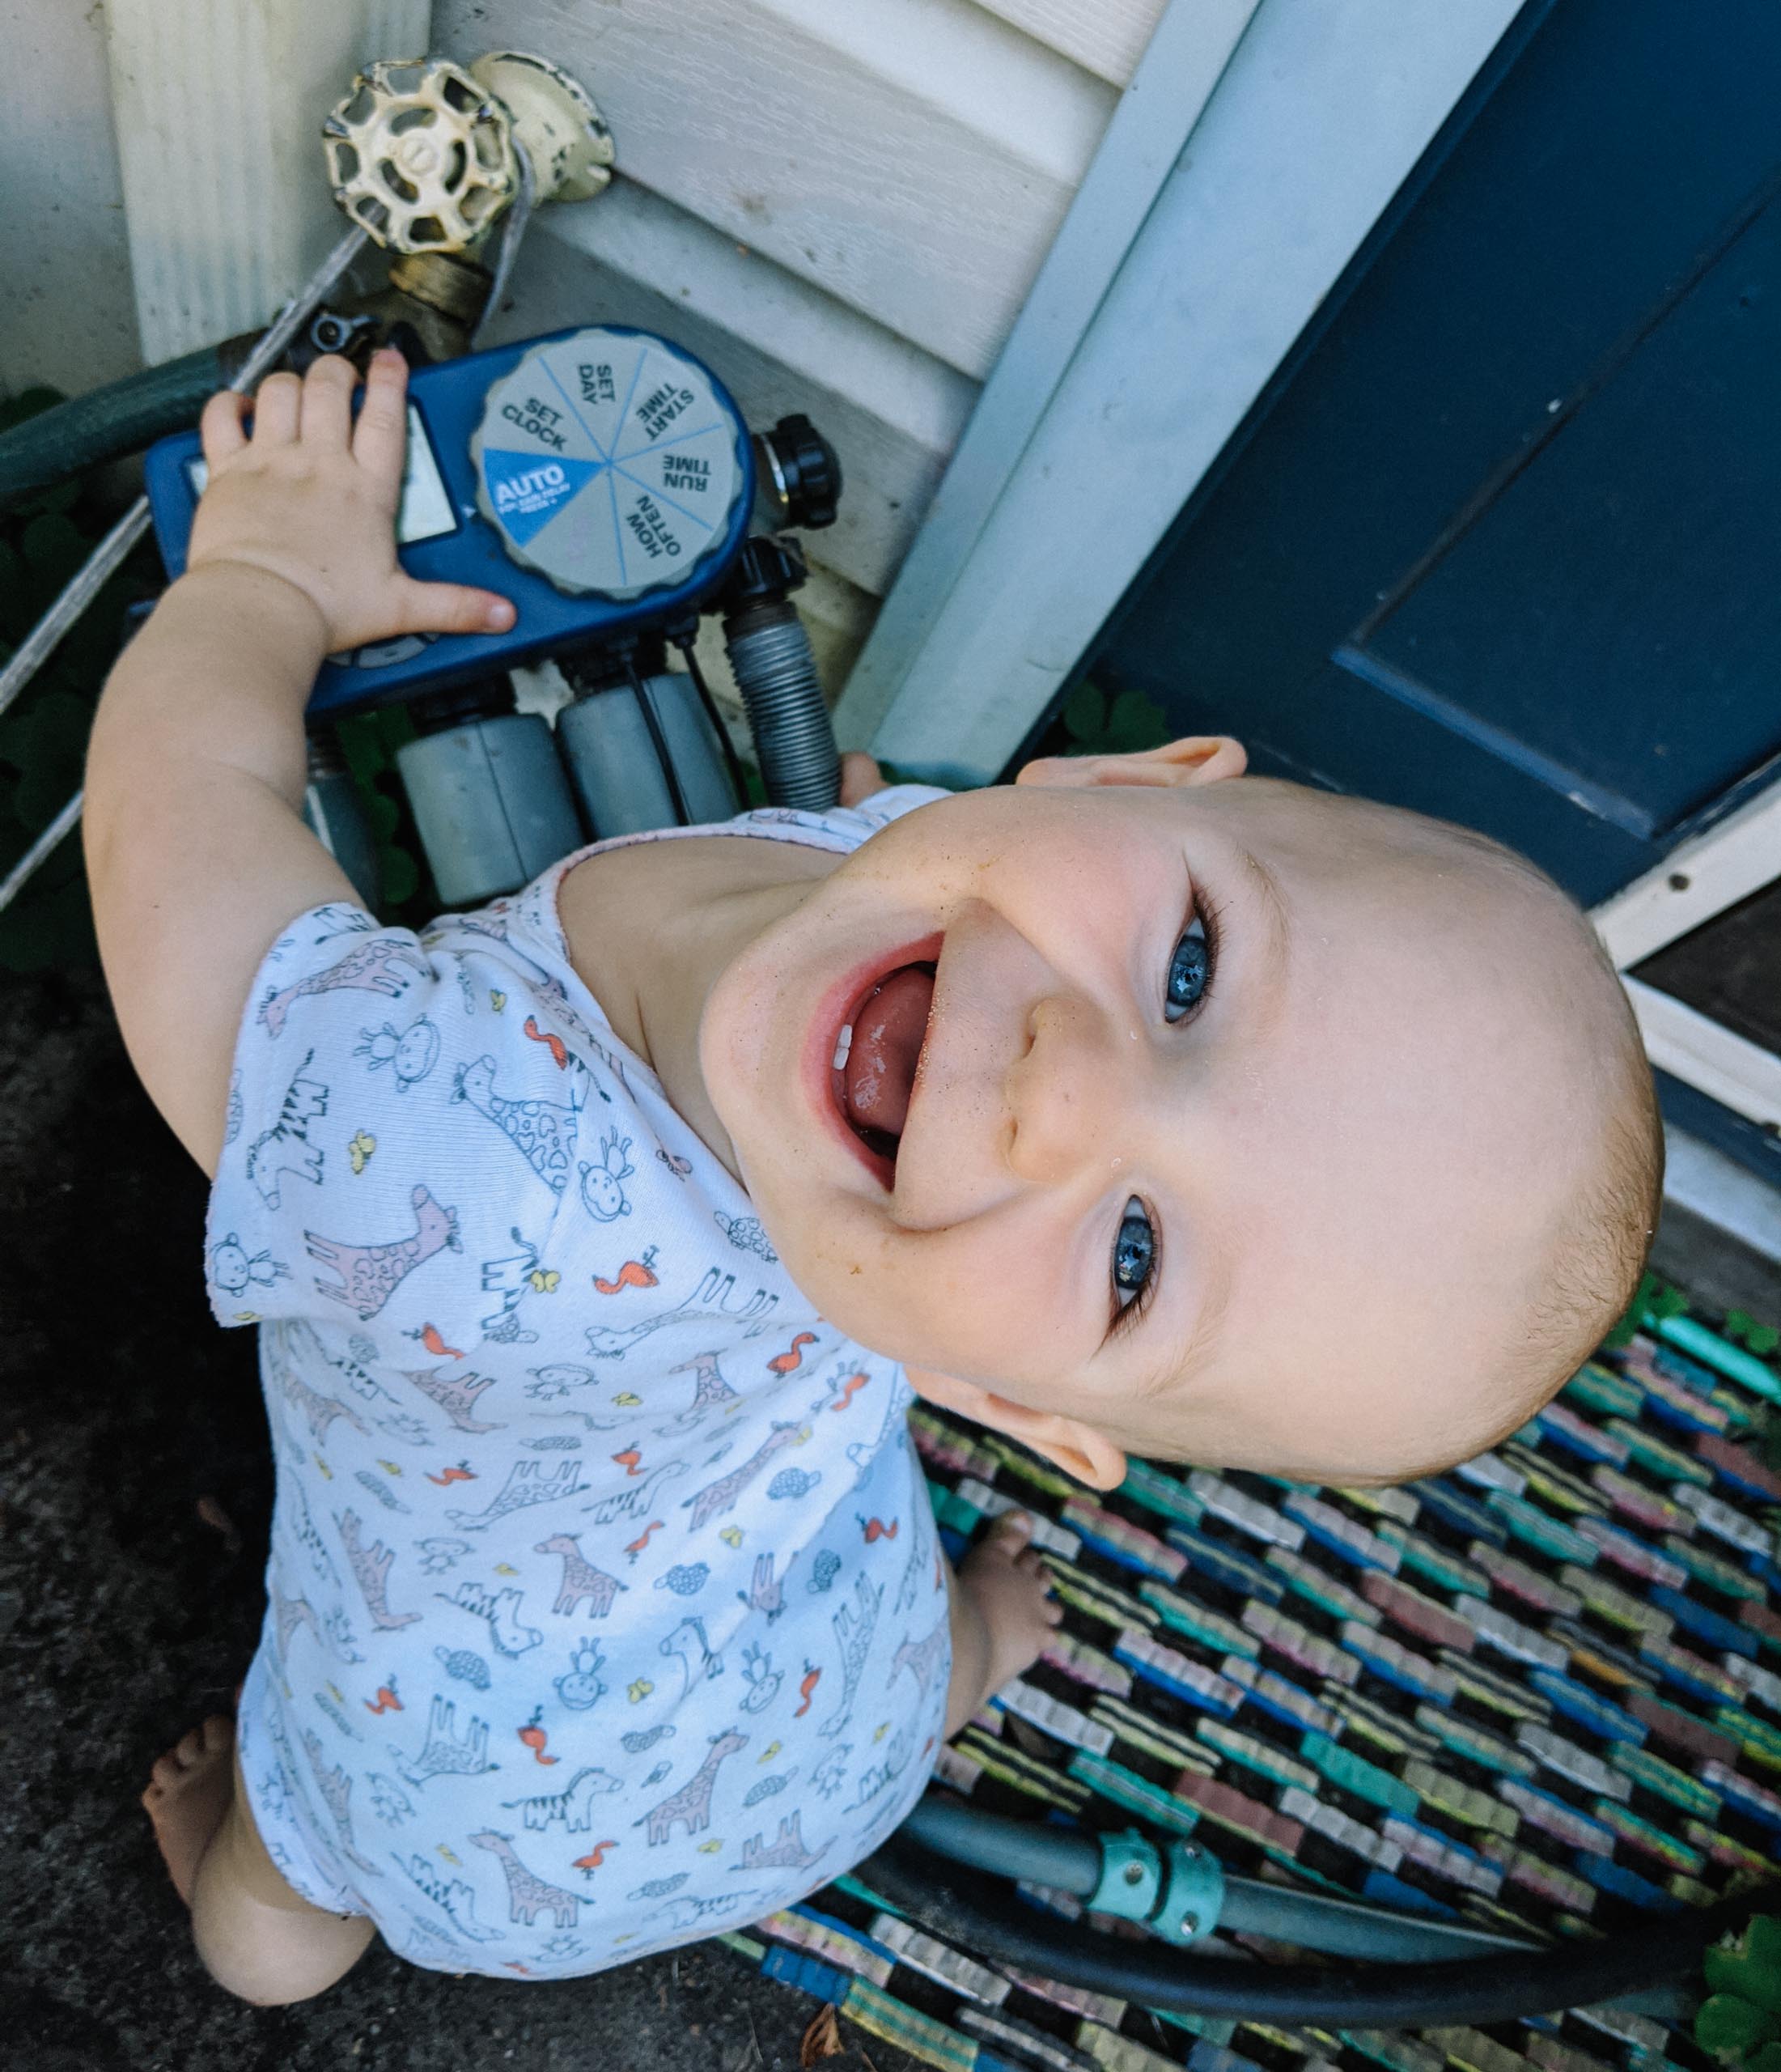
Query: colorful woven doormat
[{"x": 1542, "y": 1693}]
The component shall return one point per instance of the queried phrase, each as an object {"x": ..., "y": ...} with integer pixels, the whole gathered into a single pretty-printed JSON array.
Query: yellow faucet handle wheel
[{"x": 422, "y": 156}]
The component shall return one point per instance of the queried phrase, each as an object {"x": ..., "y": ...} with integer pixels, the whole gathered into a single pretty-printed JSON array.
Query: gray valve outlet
[
  {"x": 490, "y": 803},
  {"x": 607, "y": 463},
  {"x": 606, "y": 743}
]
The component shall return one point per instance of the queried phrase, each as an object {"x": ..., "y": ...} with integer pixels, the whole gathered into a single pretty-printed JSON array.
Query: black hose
[
  {"x": 732, "y": 761},
  {"x": 121, "y": 417},
  {"x": 973, "y": 1913},
  {"x": 782, "y": 692},
  {"x": 670, "y": 775}
]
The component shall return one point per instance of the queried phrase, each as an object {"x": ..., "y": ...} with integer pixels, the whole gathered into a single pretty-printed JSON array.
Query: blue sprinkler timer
[{"x": 605, "y": 479}]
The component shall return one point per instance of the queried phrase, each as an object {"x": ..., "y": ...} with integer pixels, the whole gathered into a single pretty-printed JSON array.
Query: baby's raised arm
[{"x": 197, "y": 852}]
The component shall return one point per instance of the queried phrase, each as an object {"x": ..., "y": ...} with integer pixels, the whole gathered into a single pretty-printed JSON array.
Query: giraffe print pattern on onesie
[{"x": 577, "y": 1647}]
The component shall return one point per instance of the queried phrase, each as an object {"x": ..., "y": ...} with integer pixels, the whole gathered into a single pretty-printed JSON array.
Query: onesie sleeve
[{"x": 382, "y": 1083}]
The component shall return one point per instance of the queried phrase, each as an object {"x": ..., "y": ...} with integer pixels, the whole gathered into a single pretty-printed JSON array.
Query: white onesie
[{"x": 606, "y": 1610}]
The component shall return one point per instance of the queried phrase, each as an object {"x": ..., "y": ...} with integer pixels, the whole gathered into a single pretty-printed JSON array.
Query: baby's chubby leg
[
  {"x": 256, "y": 1938},
  {"x": 1003, "y": 1611}
]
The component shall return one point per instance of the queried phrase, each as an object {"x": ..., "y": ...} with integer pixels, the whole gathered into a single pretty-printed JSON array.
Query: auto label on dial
[{"x": 608, "y": 463}]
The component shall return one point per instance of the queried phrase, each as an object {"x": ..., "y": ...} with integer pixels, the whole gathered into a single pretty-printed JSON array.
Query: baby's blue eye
[
  {"x": 1134, "y": 1254},
  {"x": 1187, "y": 973}
]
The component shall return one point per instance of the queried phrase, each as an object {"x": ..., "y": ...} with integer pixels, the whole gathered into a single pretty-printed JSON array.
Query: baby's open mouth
[{"x": 877, "y": 1054}]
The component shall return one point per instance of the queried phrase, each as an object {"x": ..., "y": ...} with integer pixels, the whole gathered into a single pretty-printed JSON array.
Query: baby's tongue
[{"x": 888, "y": 1033}]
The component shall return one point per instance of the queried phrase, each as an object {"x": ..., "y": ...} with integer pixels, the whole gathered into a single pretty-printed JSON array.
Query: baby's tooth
[{"x": 844, "y": 1043}]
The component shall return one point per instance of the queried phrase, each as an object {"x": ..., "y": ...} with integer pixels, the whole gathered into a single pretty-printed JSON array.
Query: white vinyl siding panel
[
  {"x": 840, "y": 204},
  {"x": 1106, "y": 37},
  {"x": 914, "y": 160},
  {"x": 892, "y": 412},
  {"x": 840, "y": 208}
]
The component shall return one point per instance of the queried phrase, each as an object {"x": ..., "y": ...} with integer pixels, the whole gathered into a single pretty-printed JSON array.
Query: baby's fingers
[
  {"x": 328, "y": 402},
  {"x": 453, "y": 607},
  {"x": 220, "y": 427},
  {"x": 277, "y": 408},
  {"x": 380, "y": 437}
]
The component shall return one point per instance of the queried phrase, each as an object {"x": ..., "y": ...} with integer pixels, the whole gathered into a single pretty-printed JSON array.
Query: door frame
[
  {"x": 1696, "y": 881},
  {"x": 1197, "y": 255}
]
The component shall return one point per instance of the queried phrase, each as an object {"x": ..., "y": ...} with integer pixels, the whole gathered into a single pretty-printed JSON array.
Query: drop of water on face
[{"x": 844, "y": 1043}]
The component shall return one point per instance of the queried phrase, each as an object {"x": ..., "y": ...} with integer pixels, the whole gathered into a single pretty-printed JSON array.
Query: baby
[{"x": 598, "y": 1239}]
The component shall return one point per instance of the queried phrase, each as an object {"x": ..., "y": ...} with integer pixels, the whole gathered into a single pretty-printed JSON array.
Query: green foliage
[
  {"x": 1751, "y": 1966},
  {"x": 1654, "y": 1301},
  {"x": 368, "y": 742},
  {"x": 1729, "y": 2026},
  {"x": 1095, "y": 725},
  {"x": 1761, "y": 1339},
  {"x": 1741, "y": 2019}
]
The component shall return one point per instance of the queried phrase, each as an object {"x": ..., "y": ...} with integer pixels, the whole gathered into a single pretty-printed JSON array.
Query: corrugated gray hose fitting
[{"x": 776, "y": 673}]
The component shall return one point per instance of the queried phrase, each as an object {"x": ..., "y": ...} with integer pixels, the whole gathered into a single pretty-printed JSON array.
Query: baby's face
[{"x": 1210, "y": 1134}]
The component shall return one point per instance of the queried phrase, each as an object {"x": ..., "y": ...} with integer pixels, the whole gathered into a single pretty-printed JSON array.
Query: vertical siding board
[
  {"x": 217, "y": 108},
  {"x": 63, "y": 250}
]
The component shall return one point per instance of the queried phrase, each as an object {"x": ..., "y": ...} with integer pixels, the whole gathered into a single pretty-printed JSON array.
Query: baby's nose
[{"x": 1065, "y": 1092}]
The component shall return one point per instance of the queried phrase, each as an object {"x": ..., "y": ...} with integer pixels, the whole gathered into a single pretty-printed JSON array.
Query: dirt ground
[{"x": 127, "y": 1611}]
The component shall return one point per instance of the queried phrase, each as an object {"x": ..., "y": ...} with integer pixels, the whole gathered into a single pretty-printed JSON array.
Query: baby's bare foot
[
  {"x": 1012, "y": 1589},
  {"x": 188, "y": 1794}
]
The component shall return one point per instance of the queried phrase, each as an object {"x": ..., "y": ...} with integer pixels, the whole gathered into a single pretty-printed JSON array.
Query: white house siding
[
  {"x": 67, "y": 315},
  {"x": 839, "y": 204}
]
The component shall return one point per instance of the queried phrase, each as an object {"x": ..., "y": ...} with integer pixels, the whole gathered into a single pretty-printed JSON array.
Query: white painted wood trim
[
  {"x": 1701, "y": 878},
  {"x": 218, "y": 109},
  {"x": 1709, "y": 1185},
  {"x": 1324, "y": 108},
  {"x": 1691, "y": 1046},
  {"x": 1186, "y": 56}
]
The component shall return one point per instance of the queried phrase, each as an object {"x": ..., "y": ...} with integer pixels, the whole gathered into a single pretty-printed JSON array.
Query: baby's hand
[{"x": 311, "y": 498}]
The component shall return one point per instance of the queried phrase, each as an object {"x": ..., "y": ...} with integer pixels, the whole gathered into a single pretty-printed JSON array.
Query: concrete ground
[{"x": 134, "y": 1500}]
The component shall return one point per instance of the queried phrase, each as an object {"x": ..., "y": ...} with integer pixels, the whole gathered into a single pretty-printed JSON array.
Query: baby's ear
[
  {"x": 1197, "y": 759},
  {"x": 1078, "y": 1449}
]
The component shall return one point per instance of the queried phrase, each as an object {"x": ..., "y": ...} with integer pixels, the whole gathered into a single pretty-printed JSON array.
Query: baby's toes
[
  {"x": 217, "y": 1734},
  {"x": 1010, "y": 1534}
]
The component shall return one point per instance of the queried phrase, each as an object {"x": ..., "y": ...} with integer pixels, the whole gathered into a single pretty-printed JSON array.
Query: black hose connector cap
[
  {"x": 766, "y": 572},
  {"x": 973, "y": 1913},
  {"x": 804, "y": 471}
]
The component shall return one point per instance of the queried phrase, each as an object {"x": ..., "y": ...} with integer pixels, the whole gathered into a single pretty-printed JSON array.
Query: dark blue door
[{"x": 1503, "y": 541}]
